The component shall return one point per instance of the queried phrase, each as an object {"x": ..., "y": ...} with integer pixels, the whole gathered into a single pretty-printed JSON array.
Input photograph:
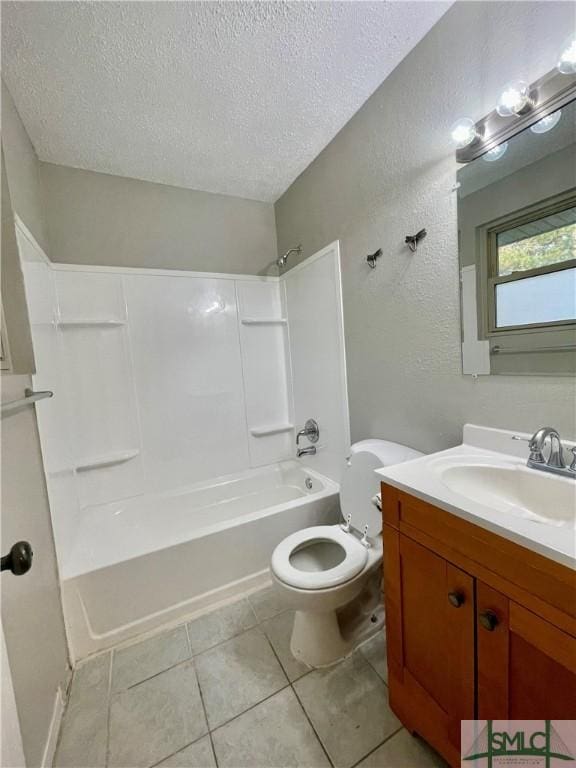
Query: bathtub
[{"x": 152, "y": 560}]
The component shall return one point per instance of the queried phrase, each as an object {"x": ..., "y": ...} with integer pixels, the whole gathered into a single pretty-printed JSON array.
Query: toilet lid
[
  {"x": 358, "y": 486},
  {"x": 354, "y": 560},
  {"x": 359, "y": 483}
]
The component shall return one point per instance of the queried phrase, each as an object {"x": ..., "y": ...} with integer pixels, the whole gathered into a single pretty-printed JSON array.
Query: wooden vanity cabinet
[{"x": 476, "y": 626}]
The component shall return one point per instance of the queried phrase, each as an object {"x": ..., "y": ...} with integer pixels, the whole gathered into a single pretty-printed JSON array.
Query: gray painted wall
[
  {"x": 94, "y": 218},
  {"x": 389, "y": 173},
  {"x": 31, "y": 606},
  {"x": 22, "y": 169}
]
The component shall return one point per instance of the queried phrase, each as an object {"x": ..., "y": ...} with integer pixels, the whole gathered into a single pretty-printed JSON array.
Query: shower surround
[{"x": 170, "y": 387}]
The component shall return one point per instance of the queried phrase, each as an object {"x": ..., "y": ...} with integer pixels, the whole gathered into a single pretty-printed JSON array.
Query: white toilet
[{"x": 331, "y": 574}]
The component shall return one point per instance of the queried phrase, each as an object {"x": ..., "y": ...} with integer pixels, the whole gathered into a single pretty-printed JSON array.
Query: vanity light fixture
[
  {"x": 515, "y": 99},
  {"x": 495, "y": 154},
  {"x": 521, "y": 105},
  {"x": 547, "y": 123},
  {"x": 567, "y": 61},
  {"x": 464, "y": 132}
]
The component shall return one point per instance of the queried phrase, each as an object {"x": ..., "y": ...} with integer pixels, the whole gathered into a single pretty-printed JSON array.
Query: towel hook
[
  {"x": 412, "y": 241},
  {"x": 371, "y": 258}
]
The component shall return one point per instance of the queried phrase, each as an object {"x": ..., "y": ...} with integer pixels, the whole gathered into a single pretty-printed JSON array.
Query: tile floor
[{"x": 224, "y": 690}]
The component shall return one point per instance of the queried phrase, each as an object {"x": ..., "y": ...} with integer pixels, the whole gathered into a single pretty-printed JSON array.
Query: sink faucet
[{"x": 555, "y": 462}]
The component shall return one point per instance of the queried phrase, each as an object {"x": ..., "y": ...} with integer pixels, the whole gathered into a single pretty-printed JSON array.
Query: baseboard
[{"x": 54, "y": 730}]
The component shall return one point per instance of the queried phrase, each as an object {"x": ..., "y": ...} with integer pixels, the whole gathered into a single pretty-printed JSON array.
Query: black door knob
[
  {"x": 19, "y": 559},
  {"x": 488, "y": 620},
  {"x": 456, "y": 599}
]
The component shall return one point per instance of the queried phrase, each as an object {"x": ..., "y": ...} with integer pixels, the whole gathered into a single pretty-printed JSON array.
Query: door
[
  {"x": 430, "y": 604},
  {"x": 526, "y": 666},
  {"x": 11, "y": 749}
]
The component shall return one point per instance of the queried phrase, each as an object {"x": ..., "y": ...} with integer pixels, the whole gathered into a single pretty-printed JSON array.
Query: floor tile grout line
[
  {"x": 204, "y": 710},
  {"x": 302, "y": 705},
  {"x": 307, "y": 716},
  {"x": 385, "y": 741},
  {"x": 109, "y": 709},
  {"x": 185, "y": 624},
  {"x": 179, "y": 750},
  {"x": 252, "y": 706},
  {"x": 194, "y": 656}
]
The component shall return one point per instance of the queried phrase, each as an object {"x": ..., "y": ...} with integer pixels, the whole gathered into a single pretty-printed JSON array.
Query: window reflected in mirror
[{"x": 517, "y": 236}]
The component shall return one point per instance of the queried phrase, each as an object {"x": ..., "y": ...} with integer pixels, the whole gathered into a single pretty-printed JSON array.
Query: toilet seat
[{"x": 355, "y": 558}]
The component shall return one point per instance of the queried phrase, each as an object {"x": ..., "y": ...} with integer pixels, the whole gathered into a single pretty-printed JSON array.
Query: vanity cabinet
[{"x": 477, "y": 626}]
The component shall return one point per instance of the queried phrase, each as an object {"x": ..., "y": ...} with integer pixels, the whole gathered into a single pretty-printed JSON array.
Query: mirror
[
  {"x": 17, "y": 355},
  {"x": 517, "y": 244}
]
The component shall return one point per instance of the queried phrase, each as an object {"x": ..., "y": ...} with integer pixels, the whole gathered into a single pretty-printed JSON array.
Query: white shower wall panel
[
  {"x": 188, "y": 378},
  {"x": 314, "y": 306},
  {"x": 266, "y": 370},
  {"x": 98, "y": 388},
  {"x": 52, "y": 420}
]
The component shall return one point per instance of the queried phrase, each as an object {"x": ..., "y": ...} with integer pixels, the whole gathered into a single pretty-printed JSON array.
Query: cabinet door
[
  {"x": 430, "y": 626},
  {"x": 526, "y": 666}
]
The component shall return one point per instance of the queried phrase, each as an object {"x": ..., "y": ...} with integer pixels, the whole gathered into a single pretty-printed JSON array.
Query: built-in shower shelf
[
  {"x": 273, "y": 429},
  {"x": 86, "y": 323},
  {"x": 264, "y": 321},
  {"x": 107, "y": 460}
]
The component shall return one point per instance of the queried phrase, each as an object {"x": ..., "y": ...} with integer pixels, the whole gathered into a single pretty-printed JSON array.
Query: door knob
[
  {"x": 489, "y": 620},
  {"x": 456, "y": 599},
  {"x": 19, "y": 559}
]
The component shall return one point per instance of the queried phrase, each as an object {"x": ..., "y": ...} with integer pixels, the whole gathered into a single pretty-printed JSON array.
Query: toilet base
[
  {"x": 321, "y": 638},
  {"x": 316, "y": 638}
]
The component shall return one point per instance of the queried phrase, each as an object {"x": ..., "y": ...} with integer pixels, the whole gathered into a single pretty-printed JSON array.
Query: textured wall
[
  {"x": 94, "y": 218},
  {"x": 388, "y": 173},
  {"x": 22, "y": 169}
]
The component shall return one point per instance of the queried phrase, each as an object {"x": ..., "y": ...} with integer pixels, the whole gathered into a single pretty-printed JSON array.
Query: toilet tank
[{"x": 360, "y": 484}]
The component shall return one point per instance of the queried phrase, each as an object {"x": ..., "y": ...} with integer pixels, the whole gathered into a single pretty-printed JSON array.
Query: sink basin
[{"x": 514, "y": 489}]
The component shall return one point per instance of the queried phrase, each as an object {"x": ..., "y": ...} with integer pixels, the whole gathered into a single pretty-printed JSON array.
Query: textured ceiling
[{"x": 230, "y": 97}]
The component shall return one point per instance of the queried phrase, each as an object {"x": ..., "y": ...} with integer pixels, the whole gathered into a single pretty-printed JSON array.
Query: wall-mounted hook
[
  {"x": 371, "y": 258},
  {"x": 412, "y": 241}
]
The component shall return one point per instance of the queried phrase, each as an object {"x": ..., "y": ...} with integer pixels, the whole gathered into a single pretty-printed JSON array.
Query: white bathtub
[{"x": 151, "y": 560}]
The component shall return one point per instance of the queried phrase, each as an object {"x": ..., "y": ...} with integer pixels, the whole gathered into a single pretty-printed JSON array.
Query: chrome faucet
[
  {"x": 312, "y": 432},
  {"x": 555, "y": 462},
  {"x": 308, "y": 451}
]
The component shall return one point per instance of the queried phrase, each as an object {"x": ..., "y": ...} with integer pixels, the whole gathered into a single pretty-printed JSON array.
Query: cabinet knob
[
  {"x": 456, "y": 599},
  {"x": 488, "y": 620}
]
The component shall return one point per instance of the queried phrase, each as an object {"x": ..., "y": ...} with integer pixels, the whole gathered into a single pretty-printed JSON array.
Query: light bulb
[
  {"x": 567, "y": 61},
  {"x": 464, "y": 132},
  {"x": 514, "y": 98},
  {"x": 495, "y": 154},
  {"x": 547, "y": 123}
]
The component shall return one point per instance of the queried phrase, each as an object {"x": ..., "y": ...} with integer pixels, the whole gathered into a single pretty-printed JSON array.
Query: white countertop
[{"x": 489, "y": 447}]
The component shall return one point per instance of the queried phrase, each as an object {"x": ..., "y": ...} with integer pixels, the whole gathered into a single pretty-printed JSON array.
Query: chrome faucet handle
[
  {"x": 311, "y": 431},
  {"x": 347, "y": 525}
]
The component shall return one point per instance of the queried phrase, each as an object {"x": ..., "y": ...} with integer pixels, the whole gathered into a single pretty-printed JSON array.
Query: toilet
[{"x": 331, "y": 574}]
